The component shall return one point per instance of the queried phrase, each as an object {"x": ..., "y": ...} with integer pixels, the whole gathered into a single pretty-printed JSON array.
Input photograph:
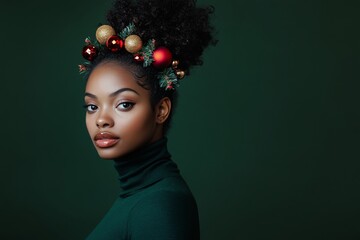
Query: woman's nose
[{"x": 104, "y": 120}]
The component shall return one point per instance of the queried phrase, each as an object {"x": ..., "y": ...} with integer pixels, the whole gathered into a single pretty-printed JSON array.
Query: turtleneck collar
[{"x": 145, "y": 166}]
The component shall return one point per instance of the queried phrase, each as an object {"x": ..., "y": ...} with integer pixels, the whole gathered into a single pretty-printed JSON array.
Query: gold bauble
[
  {"x": 175, "y": 64},
  {"x": 180, "y": 74},
  {"x": 104, "y": 32},
  {"x": 133, "y": 43}
]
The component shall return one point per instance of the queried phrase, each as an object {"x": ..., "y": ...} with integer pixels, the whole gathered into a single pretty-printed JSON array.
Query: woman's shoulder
[
  {"x": 166, "y": 192},
  {"x": 165, "y": 212}
]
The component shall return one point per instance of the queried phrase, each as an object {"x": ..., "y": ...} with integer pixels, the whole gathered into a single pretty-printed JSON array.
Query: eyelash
[
  {"x": 126, "y": 108},
  {"x": 89, "y": 107}
]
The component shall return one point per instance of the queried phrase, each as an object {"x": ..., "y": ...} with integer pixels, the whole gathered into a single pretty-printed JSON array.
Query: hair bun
[{"x": 177, "y": 24}]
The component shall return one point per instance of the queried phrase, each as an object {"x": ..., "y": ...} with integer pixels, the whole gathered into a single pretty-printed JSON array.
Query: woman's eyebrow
[
  {"x": 90, "y": 95},
  {"x": 114, "y": 93},
  {"x": 122, "y": 90}
]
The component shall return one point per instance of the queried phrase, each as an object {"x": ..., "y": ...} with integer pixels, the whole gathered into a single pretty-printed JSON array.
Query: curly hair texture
[{"x": 179, "y": 25}]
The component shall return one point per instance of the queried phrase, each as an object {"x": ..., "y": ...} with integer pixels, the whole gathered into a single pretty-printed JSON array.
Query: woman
[{"x": 132, "y": 73}]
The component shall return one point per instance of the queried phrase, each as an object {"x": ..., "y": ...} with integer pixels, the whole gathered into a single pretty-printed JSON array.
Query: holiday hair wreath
[{"x": 148, "y": 54}]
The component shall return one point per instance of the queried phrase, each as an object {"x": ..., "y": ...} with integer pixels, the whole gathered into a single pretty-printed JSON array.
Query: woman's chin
[{"x": 108, "y": 154}]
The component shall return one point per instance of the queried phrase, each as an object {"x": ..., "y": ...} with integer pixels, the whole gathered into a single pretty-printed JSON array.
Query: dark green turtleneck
[{"x": 155, "y": 204}]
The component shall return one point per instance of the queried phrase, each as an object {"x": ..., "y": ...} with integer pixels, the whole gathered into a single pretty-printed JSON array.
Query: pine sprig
[
  {"x": 95, "y": 43},
  {"x": 128, "y": 30},
  {"x": 84, "y": 69},
  {"x": 168, "y": 79},
  {"x": 147, "y": 52}
]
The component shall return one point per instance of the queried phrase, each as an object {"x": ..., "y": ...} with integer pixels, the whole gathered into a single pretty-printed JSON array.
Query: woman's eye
[
  {"x": 125, "y": 105},
  {"x": 90, "y": 108}
]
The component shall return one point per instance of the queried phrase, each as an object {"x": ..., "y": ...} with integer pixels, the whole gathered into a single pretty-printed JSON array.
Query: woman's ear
[{"x": 163, "y": 110}]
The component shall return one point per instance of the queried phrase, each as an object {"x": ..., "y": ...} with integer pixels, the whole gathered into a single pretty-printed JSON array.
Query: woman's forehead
[{"x": 110, "y": 77}]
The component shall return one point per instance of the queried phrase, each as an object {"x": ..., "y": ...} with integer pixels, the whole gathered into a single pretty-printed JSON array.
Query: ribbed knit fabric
[{"x": 155, "y": 204}]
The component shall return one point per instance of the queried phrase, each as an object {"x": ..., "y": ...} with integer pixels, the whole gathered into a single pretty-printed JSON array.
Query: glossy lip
[{"x": 105, "y": 139}]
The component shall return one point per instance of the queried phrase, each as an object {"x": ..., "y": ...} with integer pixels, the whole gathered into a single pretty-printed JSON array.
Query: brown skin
[{"x": 127, "y": 115}]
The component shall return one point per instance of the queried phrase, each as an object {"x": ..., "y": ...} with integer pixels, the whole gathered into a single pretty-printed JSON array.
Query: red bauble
[
  {"x": 114, "y": 43},
  {"x": 138, "y": 57},
  {"x": 89, "y": 52},
  {"x": 162, "y": 57}
]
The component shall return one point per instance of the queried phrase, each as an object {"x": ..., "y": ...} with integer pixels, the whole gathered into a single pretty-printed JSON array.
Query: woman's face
[{"x": 119, "y": 115}]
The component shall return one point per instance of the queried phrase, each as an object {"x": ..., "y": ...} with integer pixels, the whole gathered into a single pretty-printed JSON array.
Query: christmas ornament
[
  {"x": 175, "y": 64},
  {"x": 89, "y": 52},
  {"x": 180, "y": 74},
  {"x": 168, "y": 74},
  {"x": 138, "y": 57},
  {"x": 133, "y": 43},
  {"x": 104, "y": 32},
  {"x": 114, "y": 43},
  {"x": 162, "y": 57}
]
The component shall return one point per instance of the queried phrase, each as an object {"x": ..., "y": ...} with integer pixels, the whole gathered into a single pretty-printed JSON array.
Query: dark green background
[{"x": 266, "y": 132}]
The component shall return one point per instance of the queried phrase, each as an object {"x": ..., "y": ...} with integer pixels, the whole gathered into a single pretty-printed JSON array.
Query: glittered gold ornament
[
  {"x": 104, "y": 32},
  {"x": 180, "y": 74},
  {"x": 133, "y": 43}
]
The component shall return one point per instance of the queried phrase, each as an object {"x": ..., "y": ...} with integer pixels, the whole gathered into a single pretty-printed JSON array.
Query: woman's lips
[{"x": 105, "y": 140}]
